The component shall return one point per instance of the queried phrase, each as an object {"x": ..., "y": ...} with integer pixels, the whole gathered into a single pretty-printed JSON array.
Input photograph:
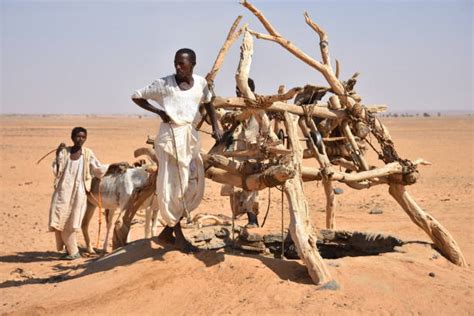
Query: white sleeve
[
  {"x": 98, "y": 170},
  {"x": 152, "y": 91},
  {"x": 206, "y": 93}
]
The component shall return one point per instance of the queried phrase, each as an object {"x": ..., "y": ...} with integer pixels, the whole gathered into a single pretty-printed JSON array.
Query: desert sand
[{"x": 144, "y": 277}]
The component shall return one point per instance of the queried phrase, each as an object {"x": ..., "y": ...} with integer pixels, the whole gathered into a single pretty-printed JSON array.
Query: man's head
[
  {"x": 184, "y": 62},
  {"x": 78, "y": 136},
  {"x": 251, "y": 86}
]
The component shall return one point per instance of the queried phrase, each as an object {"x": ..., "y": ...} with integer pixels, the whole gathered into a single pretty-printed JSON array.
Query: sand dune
[{"x": 145, "y": 277}]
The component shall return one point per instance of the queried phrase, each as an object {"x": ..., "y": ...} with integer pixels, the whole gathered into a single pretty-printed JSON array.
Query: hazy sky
[{"x": 77, "y": 57}]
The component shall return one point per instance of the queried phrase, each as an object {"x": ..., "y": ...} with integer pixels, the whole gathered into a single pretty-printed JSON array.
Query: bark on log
[
  {"x": 330, "y": 204},
  {"x": 347, "y": 132},
  {"x": 271, "y": 177},
  {"x": 321, "y": 110},
  {"x": 300, "y": 226},
  {"x": 381, "y": 172},
  {"x": 440, "y": 236},
  {"x": 241, "y": 77}
]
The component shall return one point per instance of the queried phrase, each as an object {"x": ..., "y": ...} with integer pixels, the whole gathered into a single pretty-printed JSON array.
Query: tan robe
[{"x": 69, "y": 200}]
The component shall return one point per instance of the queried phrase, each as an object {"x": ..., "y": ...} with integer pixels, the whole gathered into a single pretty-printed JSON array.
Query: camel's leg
[
  {"x": 85, "y": 226},
  {"x": 154, "y": 221},
  {"x": 149, "y": 220},
  {"x": 330, "y": 203},
  {"x": 109, "y": 217},
  {"x": 440, "y": 236}
]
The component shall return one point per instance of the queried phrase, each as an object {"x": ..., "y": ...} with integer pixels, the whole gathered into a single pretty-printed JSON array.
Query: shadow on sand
[{"x": 139, "y": 250}]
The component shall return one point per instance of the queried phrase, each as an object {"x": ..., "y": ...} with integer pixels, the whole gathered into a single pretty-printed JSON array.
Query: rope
[
  {"x": 308, "y": 110},
  {"x": 100, "y": 217},
  {"x": 233, "y": 235},
  {"x": 173, "y": 139},
  {"x": 233, "y": 216},
  {"x": 282, "y": 222},
  {"x": 268, "y": 207},
  {"x": 268, "y": 178}
]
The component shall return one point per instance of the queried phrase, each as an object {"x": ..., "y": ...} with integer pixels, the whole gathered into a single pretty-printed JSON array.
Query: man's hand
[
  {"x": 60, "y": 147},
  {"x": 217, "y": 134}
]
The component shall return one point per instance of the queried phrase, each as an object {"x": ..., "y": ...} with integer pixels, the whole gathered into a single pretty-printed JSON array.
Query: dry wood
[
  {"x": 381, "y": 172},
  {"x": 222, "y": 162},
  {"x": 326, "y": 170},
  {"x": 231, "y": 37},
  {"x": 241, "y": 77},
  {"x": 300, "y": 228},
  {"x": 330, "y": 204},
  {"x": 254, "y": 182},
  {"x": 442, "y": 239},
  {"x": 355, "y": 147},
  {"x": 236, "y": 168},
  {"x": 325, "y": 69},
  {"x": 321, "y": 112},
  {"x": 323, "y": 43},
  {"x": 243, "y": 70}
]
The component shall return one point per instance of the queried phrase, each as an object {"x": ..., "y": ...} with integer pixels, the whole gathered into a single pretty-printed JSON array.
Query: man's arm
[
  {"x": 144, "y": 104},
  {"x": 216, "y": 131}
]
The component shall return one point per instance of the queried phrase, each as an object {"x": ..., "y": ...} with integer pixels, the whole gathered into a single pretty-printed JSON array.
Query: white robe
[{"x": 184, "y": 173}]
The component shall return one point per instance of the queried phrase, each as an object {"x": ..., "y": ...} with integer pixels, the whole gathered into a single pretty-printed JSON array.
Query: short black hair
[
  {"x": 77, "y": 130},
  {"x": 189, "y": 52}
]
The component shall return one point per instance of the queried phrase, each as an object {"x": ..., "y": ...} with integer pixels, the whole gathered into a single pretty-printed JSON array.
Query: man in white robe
[
  {"x": 180, "y": 181},
  {"x": 73, "y": 169}
]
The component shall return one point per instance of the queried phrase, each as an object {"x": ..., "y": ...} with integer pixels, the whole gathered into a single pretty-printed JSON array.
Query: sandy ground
[{"x": 144, "y": 277}]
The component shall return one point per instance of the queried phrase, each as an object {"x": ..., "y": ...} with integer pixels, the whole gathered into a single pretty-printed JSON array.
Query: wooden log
[
  {"x": 276, "y": 175},
  {"x": 211, "y": 75},
  {"x": 325, "y": 69},
  {"x": 231, "y": 37},
  {"x": 242, "y": 75},
  {"x": 380, "y": 172},
  {"x": 323, "y": 41},
  {"x": 440, "y": 236},
  {"x": 326, "y": 166},
  {"x": 334, "y": 103},
  {"x": 122, "y": 226},
  {"x": 222, "y": 162},
  {"x": 330, "y": 204},
  {"x": 253, "y": 153},
  {"x": 300, "y": 228},
  {"x": 355, "y": 147},
  {"x": 321, "y": 112}
]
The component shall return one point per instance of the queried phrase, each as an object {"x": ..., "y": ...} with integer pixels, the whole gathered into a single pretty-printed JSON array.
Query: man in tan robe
[{"x": 73, "y": 169}]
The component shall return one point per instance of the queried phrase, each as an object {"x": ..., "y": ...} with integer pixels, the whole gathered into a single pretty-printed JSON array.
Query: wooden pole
[
  {"x": 440, "y": 236},
  {"x": 300, "y": 228}
]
